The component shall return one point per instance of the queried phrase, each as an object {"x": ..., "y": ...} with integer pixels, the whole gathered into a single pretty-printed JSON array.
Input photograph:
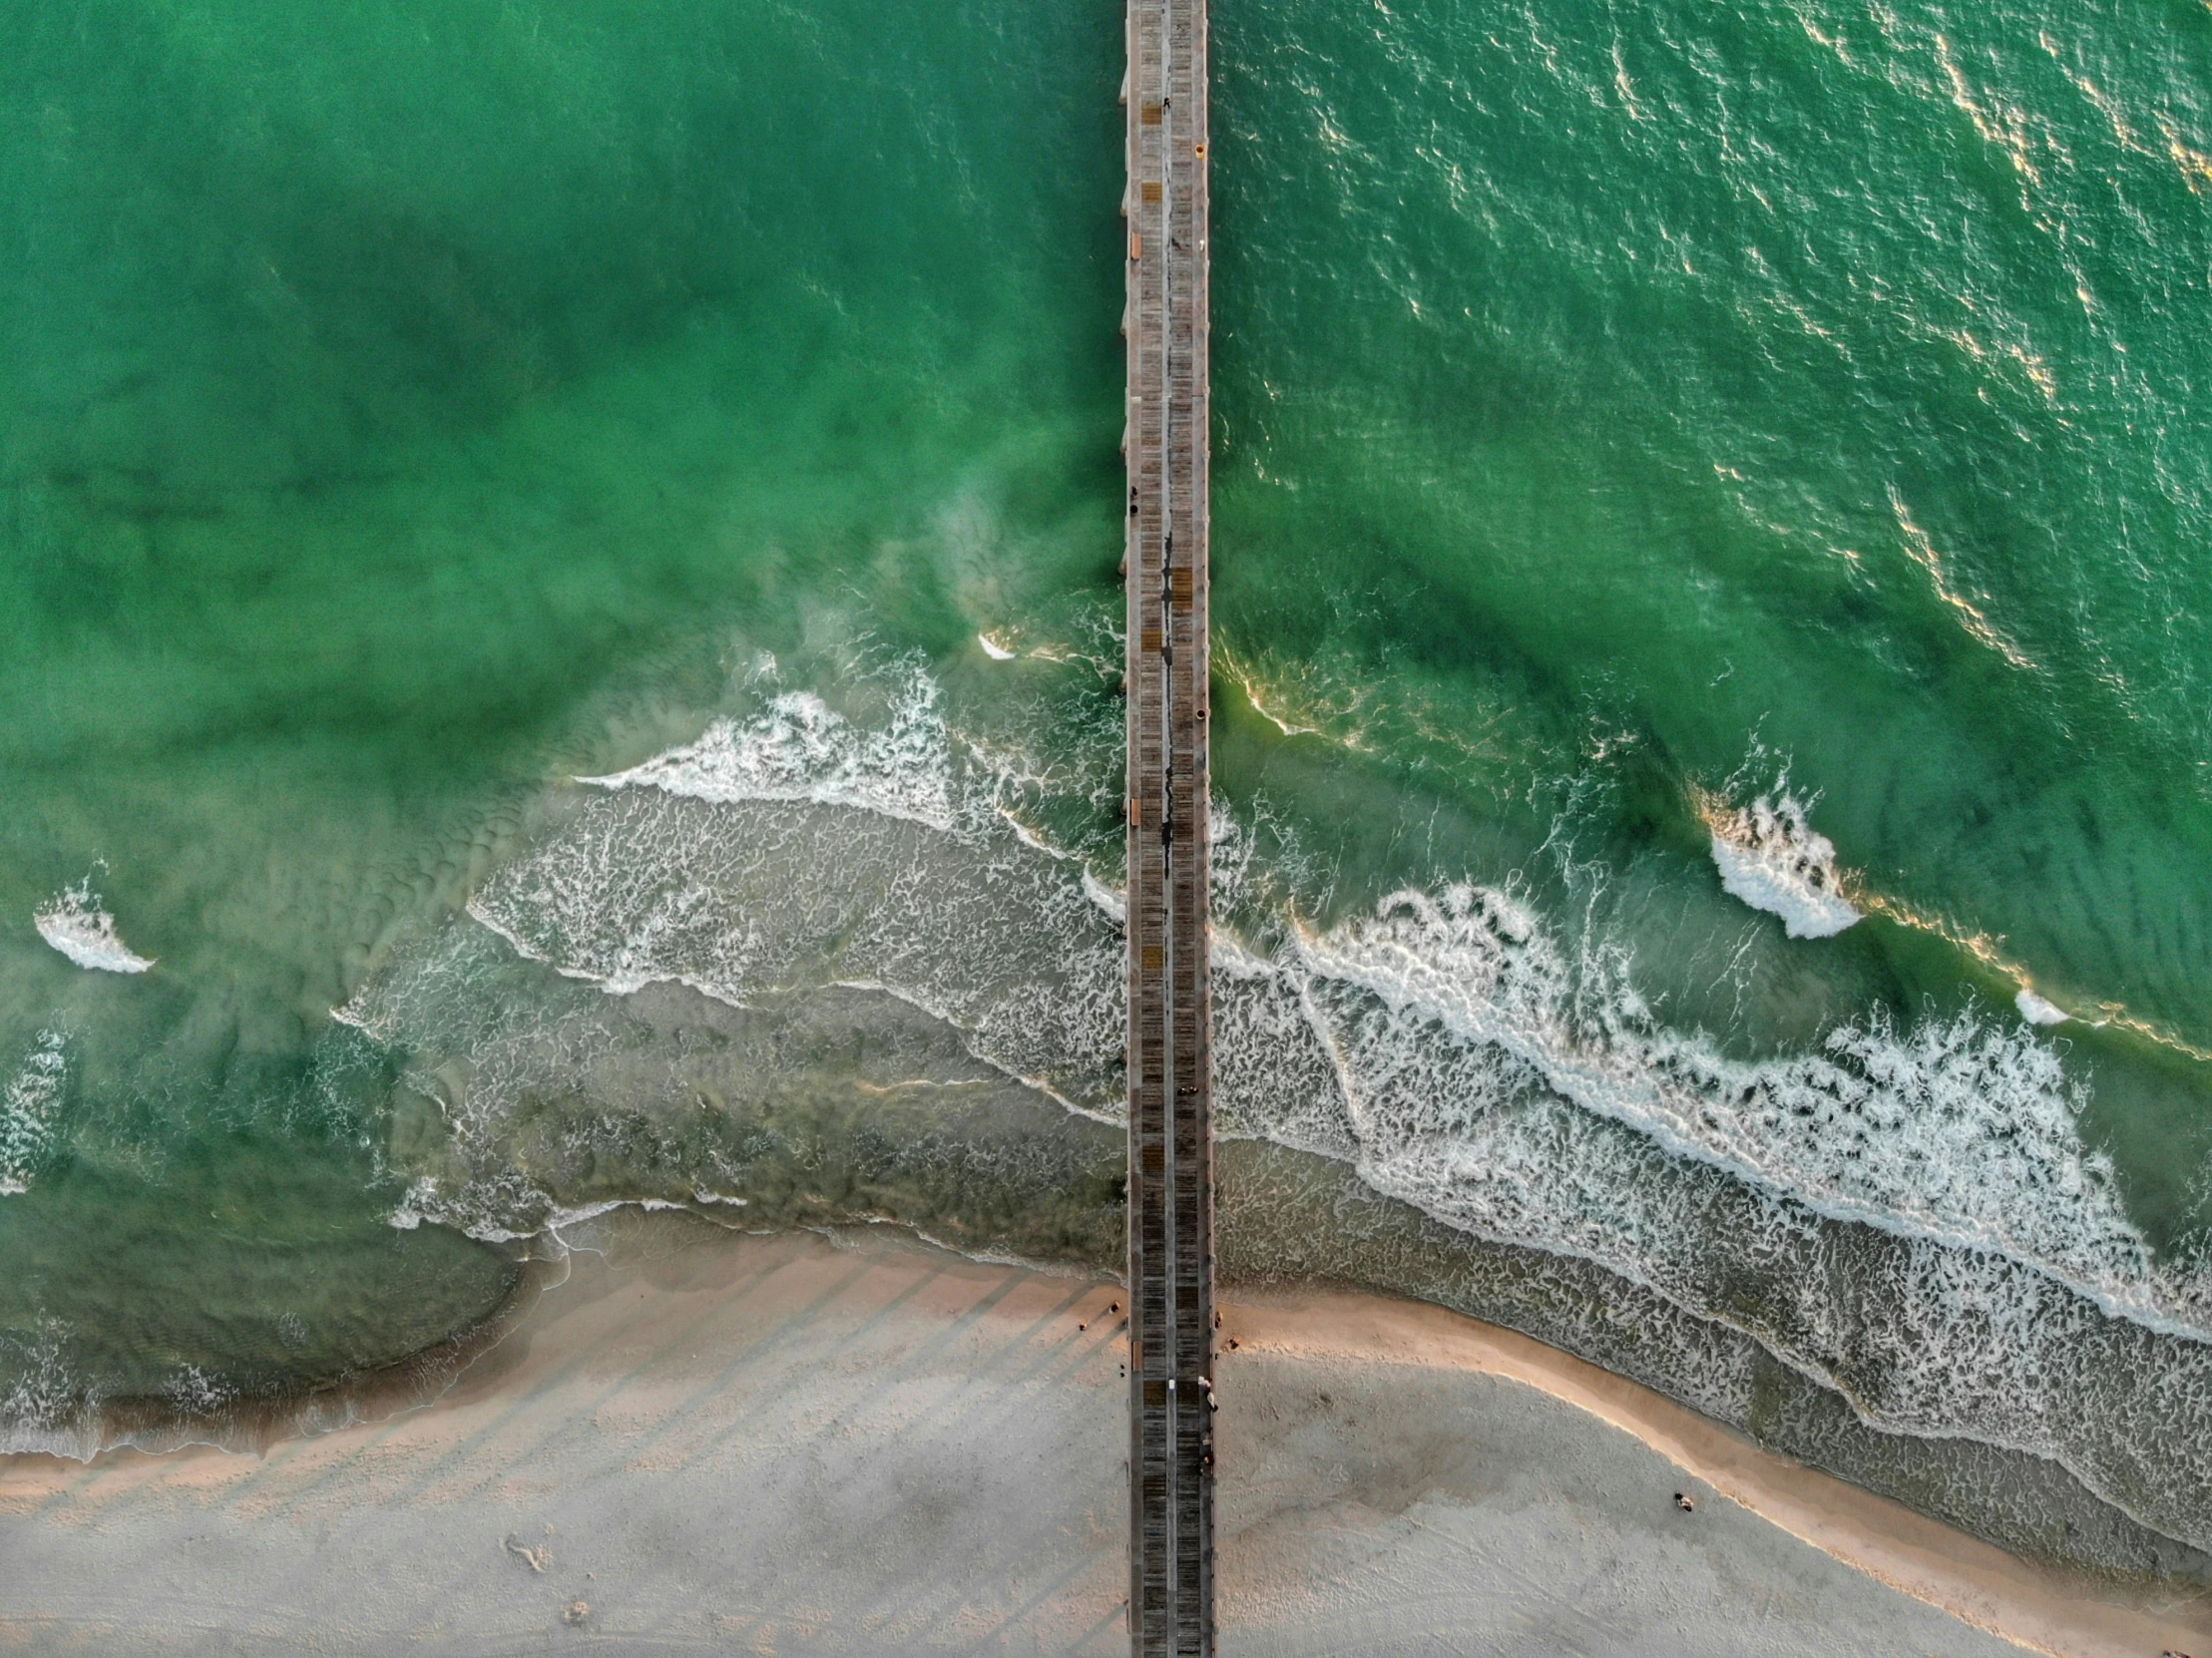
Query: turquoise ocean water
[{"x": 560, "y": 578}]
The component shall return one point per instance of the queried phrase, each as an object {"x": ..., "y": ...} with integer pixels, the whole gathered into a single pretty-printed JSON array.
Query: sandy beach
[{"x": 704, "y": 1440}]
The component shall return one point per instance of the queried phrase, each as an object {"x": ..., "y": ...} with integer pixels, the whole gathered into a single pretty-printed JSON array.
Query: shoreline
[
  {"x": 2037, "y": 1607},
  {"x": 922, "y": 1414}
]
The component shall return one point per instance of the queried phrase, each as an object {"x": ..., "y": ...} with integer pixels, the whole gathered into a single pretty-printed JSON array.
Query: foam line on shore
[
  {"x": 1925, "y": 1230},
  {"x": 1975, "y": 1583}
]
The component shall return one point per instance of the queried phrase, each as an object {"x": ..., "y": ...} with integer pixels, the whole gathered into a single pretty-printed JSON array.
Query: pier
[{"x": 1170, "y": 1187}]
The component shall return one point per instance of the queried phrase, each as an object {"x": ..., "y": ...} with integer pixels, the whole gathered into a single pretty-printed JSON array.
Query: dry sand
[{"x": 705, "y": 1441}]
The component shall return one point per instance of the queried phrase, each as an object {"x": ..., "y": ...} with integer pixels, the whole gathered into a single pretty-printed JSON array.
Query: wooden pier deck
[{"x": 1171, "y": 1212}]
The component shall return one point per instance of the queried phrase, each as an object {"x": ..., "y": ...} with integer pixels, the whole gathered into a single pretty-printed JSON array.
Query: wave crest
[
  {"x": 75, "y": 923},
  {"x": 1770, "y": 856},
  {"x": 27, "y": 1106},
  {"x": 1908, "y": 1215}
]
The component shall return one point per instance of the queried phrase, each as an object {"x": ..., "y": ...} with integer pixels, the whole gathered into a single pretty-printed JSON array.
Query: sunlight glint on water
[{"x": 1712, "y": 735}]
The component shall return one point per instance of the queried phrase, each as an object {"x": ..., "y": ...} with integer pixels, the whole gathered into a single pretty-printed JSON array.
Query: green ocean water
[
  {"x": 1623, "y": 417},
  {"x": 383, "y": 384}
]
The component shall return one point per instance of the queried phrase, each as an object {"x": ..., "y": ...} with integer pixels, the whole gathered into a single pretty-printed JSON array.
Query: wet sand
[{"x": 706, "y": 1441}]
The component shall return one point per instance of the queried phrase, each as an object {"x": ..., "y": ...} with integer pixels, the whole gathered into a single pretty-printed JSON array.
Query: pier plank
[{"x": 1170, "y": 1060}]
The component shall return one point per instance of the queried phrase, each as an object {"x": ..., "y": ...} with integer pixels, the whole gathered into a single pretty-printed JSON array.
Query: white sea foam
[
  {"x": 1924, "y": 1226},
  {"x": 802, "y": 749},
  {"x": 27, "y": 1106},
  {"x": 2036, "y": 1011},
  {"x": 197, "y": 1391},
  {"x": 1956, "y": 1131},
  {"x": 75, "y": 924},
  {"x": 745, "y": 899},
  {"x": 416, "y": 1207},
  {"x": 1953, "y": 1131},
  {"x": 1112, "y": 902},
  {"x": 1770, "y": 857},
  {"x": 44, "y": 1409}
]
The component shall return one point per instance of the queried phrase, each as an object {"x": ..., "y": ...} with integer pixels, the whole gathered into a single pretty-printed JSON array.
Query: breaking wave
[
  {"x": 75, "y": 923},
  {"x": 1771, "y": 858},
  {"x": 1907, "y": 1216},
  {"x": 802, "y": 749},
  {"x": 27, "y": 1108}
]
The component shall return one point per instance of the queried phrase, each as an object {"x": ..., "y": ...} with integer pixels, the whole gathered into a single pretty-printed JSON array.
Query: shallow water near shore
[
  {"x": 677, "y": 1444},
  {"x": 566, "y": 573}
]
